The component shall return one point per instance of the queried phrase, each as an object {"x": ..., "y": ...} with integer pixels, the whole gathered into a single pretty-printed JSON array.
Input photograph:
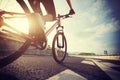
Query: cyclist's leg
[
  {"x": 38, "y": 21},
  {"x": 35, "y": 5},
  {"x": 50, "y": 8}
]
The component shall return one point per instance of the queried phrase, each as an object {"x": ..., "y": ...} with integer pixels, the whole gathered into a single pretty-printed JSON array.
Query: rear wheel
[
  {"x": 59, "y": 47},
  {"x": 12, "y": 45}
]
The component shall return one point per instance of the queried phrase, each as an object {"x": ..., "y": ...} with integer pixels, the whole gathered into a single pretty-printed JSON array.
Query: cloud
[
  {"x": 102, "y": 29},
  {"x": 93, "y": 28},
  {"x": 92, "y": 37}
]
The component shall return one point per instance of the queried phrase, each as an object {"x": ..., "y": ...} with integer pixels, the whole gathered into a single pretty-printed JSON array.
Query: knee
[{"x": 49, "y": 17}]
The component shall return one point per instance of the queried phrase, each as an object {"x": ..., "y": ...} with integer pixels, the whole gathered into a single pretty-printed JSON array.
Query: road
[{"x": 31, "y": 67}]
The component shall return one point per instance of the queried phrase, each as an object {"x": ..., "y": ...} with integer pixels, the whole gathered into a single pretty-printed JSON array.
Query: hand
[{"x": 71, "y": 12}]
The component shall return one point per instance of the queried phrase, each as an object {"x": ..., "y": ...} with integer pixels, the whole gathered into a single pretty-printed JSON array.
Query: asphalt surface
[{"x": 31, "y": 67}]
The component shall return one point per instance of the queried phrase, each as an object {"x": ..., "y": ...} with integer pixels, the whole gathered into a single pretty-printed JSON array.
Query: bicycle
[{"x": 16, "y": 42}]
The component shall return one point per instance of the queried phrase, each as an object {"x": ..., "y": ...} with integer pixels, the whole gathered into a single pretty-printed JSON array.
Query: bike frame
[
  {"x": 56, "y": 24},
  {"x": 23, "y": 35}
]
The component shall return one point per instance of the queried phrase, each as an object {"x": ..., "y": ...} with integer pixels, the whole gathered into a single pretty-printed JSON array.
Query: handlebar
[
  {"x": 64, "y": 16},
  {"x": 14, "y": 13}
]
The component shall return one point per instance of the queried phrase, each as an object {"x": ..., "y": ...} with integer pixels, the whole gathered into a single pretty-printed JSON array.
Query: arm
[
  {"x": 69, "y": 3},
  {"x": 71, "y": 12}
]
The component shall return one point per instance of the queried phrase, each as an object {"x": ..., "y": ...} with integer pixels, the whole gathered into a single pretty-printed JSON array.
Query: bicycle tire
[
  {"x": 18, "y": 52},
  {"x": 9, "y": 59},
  {"x": 57, "y": 52}
]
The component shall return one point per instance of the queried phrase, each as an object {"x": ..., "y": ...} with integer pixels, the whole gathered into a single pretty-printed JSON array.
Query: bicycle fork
[{"x": 60, "y": 38}]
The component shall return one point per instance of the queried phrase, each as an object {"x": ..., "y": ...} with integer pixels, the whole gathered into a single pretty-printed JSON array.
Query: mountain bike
[{"x": 14, "y": 42}]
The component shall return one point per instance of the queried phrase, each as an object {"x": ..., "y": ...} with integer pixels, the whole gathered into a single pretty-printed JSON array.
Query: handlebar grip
[{"x": 63, "y": 16}]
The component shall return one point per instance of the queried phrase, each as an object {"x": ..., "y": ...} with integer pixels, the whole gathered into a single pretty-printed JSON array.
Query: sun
[{"x": 21, "y": 24}]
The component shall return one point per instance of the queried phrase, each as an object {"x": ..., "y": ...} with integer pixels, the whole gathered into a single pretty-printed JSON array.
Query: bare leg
[
  {"x": 69, "y": 3},
  {"x": 50, "y": 8},
  {"x": 35, "y": 4}
]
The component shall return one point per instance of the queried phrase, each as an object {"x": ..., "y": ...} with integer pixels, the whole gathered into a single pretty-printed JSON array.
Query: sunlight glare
[{"x": 20, "y": 24}]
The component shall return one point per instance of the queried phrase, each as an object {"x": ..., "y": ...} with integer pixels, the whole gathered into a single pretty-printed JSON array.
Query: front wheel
[{"x": 59, "y": 47}]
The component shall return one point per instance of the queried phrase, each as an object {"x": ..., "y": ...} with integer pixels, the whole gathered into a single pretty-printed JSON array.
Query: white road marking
[
  {"x": 67, "y": 75},
  {"x": 110, "y": 64},
  {"x": 115, "y": 75},
  {"x": 98, "y": 57},
  {"x": 89, "y": 62}
]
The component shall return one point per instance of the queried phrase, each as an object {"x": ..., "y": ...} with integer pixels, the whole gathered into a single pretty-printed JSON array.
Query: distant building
[{"x": 105, "y": 52}]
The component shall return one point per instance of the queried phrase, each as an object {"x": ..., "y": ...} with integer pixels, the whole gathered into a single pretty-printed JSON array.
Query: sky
[{"x": 95, "y": 27}]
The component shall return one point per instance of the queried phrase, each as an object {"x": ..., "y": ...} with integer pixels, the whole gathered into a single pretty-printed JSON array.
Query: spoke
[
  {"x": 11, "y": 36},
  {"x": 13, "y": 17}
]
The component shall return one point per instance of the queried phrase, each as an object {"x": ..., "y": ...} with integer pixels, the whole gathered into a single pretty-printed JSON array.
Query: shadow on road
[
  {"x": 90, "y": 72},
  {"x": 116, "y": 62}
]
